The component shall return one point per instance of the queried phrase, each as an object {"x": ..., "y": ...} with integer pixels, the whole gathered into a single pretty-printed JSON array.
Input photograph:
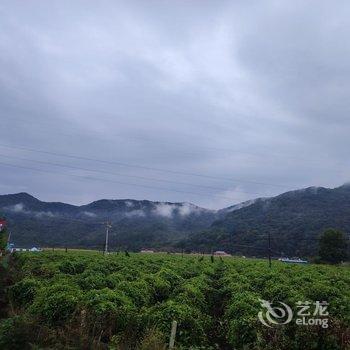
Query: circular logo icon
[{"x": 274, "y": 315}]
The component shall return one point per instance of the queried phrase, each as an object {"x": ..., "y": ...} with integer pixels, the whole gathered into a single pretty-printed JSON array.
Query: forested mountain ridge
[
  {"x": 294, "y": 220},
  {"x": 136, "y": 223}
]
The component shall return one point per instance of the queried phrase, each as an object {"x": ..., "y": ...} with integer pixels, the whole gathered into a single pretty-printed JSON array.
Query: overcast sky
[{"x": 209, "y": 102}]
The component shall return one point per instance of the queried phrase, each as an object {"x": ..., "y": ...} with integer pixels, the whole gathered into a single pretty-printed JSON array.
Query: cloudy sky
[{"x": 209, "y": 102}]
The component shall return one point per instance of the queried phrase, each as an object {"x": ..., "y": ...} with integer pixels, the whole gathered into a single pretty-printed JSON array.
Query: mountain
[
  {"x": 293, "y": 219},
  {"x": 136, "y": 223},
  {"x": 225, "y": 211}
]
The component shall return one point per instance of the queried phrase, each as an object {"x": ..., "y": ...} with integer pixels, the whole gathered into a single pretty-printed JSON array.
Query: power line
[
  {"x": 140, "y": 166},
  {"x": 220, "y": 149},
  {"x": 113, "y": 181},
  {"x": 126, "y": 175}
]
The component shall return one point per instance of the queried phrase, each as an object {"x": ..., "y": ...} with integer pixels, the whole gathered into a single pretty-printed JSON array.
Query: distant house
[
  {"x": 293, "y": 261},
  {"x": 35, "y": 249},
  {"x": 2, "y": 224},
  {"x": 147, "y": 251},
  {"x": 221, "y": 253},
  {"x": 10, "y": 247}
]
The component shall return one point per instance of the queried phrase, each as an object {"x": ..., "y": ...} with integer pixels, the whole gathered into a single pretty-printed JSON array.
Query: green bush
[
  {"x": 16, "y": 333},
  {"x": 56, "y": 304},
  {"x": 138, "y": 291},
  {"x": 23, "y": 292},
  {"x": 161, "y": 288},
  {"x": 110, "y": 312},
  {"x": 87, "y": 300},
  {"x": 241, "y": 316},
  {"x": 91, "y": 280},
  {"x": 192, "y": 324},
  {"x": 72, "y": 267}
]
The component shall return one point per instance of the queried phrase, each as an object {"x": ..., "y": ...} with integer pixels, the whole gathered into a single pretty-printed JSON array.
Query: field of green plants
[{"x": 85, "y": 300}]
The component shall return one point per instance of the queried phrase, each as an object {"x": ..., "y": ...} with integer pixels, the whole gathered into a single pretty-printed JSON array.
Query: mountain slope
[
  {"x": 294, "y": 220},
  {"x": 135, "y": 223}
]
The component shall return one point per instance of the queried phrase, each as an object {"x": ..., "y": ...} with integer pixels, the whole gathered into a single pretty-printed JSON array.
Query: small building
[
  {"x": 147, "y": 251},
  {"x": 10, "y": 247},
  {"x": 35, "y": 249},
  {"x": 2, "y": 224},
  {"x": 221, "y": 253},
  {"x": 293, "y": 260}
]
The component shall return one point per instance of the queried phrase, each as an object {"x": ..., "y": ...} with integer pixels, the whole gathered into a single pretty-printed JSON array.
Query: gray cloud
[
  {"x": 255, "y": 92},
  {"x": 20, "y": 208}
]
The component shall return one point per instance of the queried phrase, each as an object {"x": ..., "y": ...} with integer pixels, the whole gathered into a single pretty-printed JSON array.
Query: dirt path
[{"x": 216, "y": 296}]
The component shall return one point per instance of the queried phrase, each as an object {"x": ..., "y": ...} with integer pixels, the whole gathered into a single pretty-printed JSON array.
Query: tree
[
  {"x": 333, "y": 246},
  {"x": 3, "y": 240}
]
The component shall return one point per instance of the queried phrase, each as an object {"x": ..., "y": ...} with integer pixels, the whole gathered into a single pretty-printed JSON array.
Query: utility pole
[
  {"x": 8, "y": 241},
  {"x": 269, "y": 239},
  {"x": 108, "y": 226}
]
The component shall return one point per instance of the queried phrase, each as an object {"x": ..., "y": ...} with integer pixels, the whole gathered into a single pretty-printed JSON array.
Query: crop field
[{"x": 85, "y": 300}]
